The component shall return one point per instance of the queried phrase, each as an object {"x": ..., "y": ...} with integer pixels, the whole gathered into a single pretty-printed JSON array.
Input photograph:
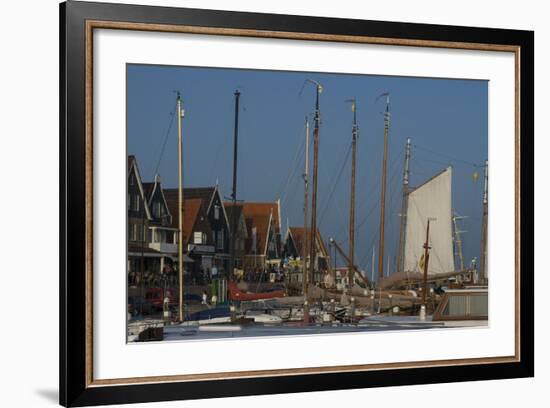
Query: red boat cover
[{"x": 236, "y": 294}]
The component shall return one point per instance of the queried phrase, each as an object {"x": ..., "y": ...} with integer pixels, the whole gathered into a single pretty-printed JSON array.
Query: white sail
[{"x": 430, "y": 200}]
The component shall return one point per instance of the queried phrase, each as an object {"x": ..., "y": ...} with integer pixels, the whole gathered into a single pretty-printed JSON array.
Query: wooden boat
[{"x": 236, "y": 294}]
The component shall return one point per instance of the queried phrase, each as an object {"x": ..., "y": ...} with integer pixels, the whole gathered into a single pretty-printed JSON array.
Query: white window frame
[{"x": 197, "y": 237}]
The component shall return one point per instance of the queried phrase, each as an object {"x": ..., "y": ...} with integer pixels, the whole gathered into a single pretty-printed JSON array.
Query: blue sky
[{"x": 446, "y": 120}]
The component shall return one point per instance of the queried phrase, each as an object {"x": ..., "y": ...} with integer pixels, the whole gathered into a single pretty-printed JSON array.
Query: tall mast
[
  {"x": 354, "y": 130},
  {"x": 400, "y": 267},
  {"x": 383, "y": 189},
  {"x": 304, "y": 244},
  {"x": 234, "y": 191},
  {"x": 458, "y": 240},
  {"x": 426, "y": 261},
  {"x": 483, "y": 254},
  {"x": 180, "y": 113},
  {"x": 313, "y": 227},
  {"x": 372, "y": 265}
]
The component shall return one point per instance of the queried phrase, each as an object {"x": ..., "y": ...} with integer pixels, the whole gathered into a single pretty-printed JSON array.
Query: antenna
[{"x": 355, "y": 128}]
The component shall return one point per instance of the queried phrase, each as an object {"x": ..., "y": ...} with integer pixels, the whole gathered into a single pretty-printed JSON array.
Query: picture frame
[{"x": 78, "y": 20}]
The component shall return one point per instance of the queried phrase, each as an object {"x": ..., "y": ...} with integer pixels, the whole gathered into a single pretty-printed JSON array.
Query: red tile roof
[
  {"x": 203, "y": 193},
  {"x": 258, "y": 216},
  {"x": 253, "y": 209},
  {"x": 297, "y": 234},
  {"x": 261, "y": 224},
  {"x": 191, "y": 210}
]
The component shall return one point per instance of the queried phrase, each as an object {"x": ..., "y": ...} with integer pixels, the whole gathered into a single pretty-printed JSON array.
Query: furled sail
[{"x": 431, "y": 200}]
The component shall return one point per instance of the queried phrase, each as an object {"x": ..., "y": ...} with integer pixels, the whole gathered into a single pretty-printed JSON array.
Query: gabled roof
[
  {"x": 191, "y": 210},
  {"x": 297, "y": 236},
  {"x": 132, "y": 164},
  {"x": 148, "y": 190},
  {"x": 230, "y": 208},
  {"x": 238, "y": 212},
  {"x": 205, "y": 194},
  {"x": 264, "y": 208},
  {"x": 151, "y": 188},
  {"x": 261, "y": 217},
  {"x": 261, "y": 223},
  {"x": 131, "y": 159}
]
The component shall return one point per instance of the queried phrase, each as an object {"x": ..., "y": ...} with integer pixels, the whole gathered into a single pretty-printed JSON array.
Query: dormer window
[
  {"x": 134, "y": 202},
  {"x": 157, "y": 209}
]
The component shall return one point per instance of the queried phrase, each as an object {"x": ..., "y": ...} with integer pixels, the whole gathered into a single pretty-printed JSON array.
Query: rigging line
[
  {"x": 424, "y": 159},
  {"x": 394, "y": 208},
  {"x": 291, "y": 188},
  {"x": 333, "y": 189},
  {"x": 368, "y": 253},
  {"x": 448, "y": 156},
  {"x": 375, "y": 204},
  {"x": 343, "y": 229},
  {"x": 284, "y": 184},
  {"x": 343, "y": 163},
  {"x": 372, "y": 193},
  {"x": 297, "y": 165},
  {"x": 161, "y": 153}
]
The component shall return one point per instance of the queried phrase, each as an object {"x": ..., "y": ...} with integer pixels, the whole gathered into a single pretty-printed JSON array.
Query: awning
[{"x": 188, "y": 259}]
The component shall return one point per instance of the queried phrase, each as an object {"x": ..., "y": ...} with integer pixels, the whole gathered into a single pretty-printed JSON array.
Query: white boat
[
  {"x": 263, "y": 318},
  {"x": 214, "y": 320},
  {"x": 220, "y": 328}
]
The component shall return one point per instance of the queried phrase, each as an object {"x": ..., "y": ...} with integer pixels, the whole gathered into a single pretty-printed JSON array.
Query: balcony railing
[{"x": 164, "y": 247}]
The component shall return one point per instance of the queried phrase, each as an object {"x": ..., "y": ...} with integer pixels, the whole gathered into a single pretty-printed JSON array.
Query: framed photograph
[{"x": 257, "y": 204}]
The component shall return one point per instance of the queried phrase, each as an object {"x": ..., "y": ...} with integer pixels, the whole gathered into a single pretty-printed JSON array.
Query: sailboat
[{"x": 431, "y": 202}]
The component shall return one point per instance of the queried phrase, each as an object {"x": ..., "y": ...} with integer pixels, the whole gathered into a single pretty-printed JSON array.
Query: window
[
  {"x": 216, "y": 212},
  {"x": 157, "y": 210},
  {"x": 135, "y": 202},
  {"x": 132, "y": 179},
  {"x": 220, "y": 240},
  {"x": 136, "y": 232},
  {"x": 197, "y": 237}
]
